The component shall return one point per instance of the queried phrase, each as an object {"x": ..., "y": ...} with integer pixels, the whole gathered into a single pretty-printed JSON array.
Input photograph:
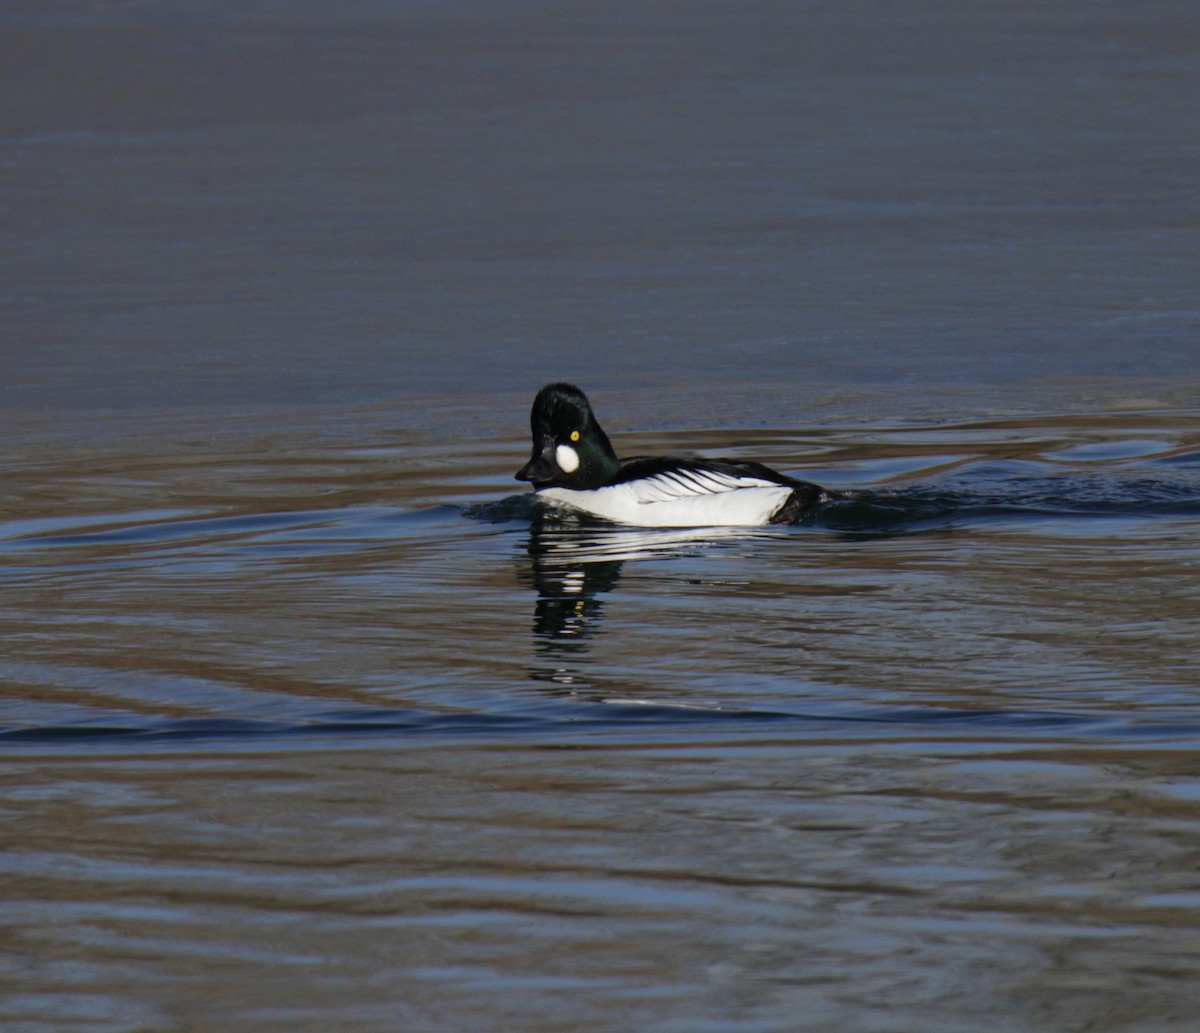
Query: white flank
[
  {"x": 681, "y": 498},
  {"x": 567, "y": 458}
]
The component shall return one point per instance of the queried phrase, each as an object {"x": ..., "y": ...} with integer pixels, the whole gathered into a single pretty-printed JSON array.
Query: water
[
  {"x": 302, "y": 756},
  {"x": 309, "y": 721}
]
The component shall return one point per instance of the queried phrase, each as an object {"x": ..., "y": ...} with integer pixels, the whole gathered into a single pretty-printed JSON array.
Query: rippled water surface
[
  {"x": 310, "y": 722},
  {"x": 350, "y": 737}
]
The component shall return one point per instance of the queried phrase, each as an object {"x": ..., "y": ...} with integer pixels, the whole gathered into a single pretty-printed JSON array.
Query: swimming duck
[{"x": 574, "y": 467}]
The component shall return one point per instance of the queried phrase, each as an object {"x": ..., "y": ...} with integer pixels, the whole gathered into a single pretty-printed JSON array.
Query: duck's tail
[{"x": 803, "y": 498}]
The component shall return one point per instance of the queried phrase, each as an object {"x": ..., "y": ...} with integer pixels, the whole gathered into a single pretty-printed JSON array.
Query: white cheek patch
[{"x": 567, "y": 458}]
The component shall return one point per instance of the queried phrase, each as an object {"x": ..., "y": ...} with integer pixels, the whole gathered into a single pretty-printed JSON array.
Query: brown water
[{"x": 307, "y": 720}]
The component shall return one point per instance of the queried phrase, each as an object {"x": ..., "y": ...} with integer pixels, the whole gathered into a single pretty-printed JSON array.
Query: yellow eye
[{"x": 574, "y": 435}]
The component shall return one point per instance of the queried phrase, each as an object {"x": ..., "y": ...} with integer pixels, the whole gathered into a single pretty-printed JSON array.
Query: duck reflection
[
  {"x": 571, "y": 564},
  {"x": 574, "y": 562}
]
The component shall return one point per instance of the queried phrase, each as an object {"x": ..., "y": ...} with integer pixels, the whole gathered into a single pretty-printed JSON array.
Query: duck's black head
[{"x": 569, "y": 448}]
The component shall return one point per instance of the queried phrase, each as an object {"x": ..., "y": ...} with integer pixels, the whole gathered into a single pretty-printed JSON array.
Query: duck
[{"x": 574, "y": 468}]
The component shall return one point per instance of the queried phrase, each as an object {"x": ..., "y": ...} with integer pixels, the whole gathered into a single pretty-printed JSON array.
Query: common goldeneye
[{"x": 574, "y": 466}]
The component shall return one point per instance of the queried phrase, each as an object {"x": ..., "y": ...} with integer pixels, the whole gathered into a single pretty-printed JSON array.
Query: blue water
[
  {"x": 940, "y": 536},
  {"x": 311, "y": 721},
  {"x": 411, "y": 724}
]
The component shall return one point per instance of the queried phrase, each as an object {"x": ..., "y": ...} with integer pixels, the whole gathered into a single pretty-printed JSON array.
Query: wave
[
  {"x": 574, "y": 718},
  {"x": 988, "y": 493}
]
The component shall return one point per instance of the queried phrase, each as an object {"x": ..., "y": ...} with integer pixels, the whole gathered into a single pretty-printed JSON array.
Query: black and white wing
[{"x": 665, "y": 480}]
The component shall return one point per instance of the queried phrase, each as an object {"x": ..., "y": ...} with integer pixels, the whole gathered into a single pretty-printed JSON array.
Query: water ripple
[{"x": 617, "y": 721}]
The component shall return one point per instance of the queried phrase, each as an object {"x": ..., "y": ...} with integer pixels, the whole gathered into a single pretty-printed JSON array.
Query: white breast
[{"x": 681, "y": 498}]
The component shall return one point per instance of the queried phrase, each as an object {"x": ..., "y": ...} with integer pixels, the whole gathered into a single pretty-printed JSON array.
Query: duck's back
[{"x": 691, "y": 493}]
